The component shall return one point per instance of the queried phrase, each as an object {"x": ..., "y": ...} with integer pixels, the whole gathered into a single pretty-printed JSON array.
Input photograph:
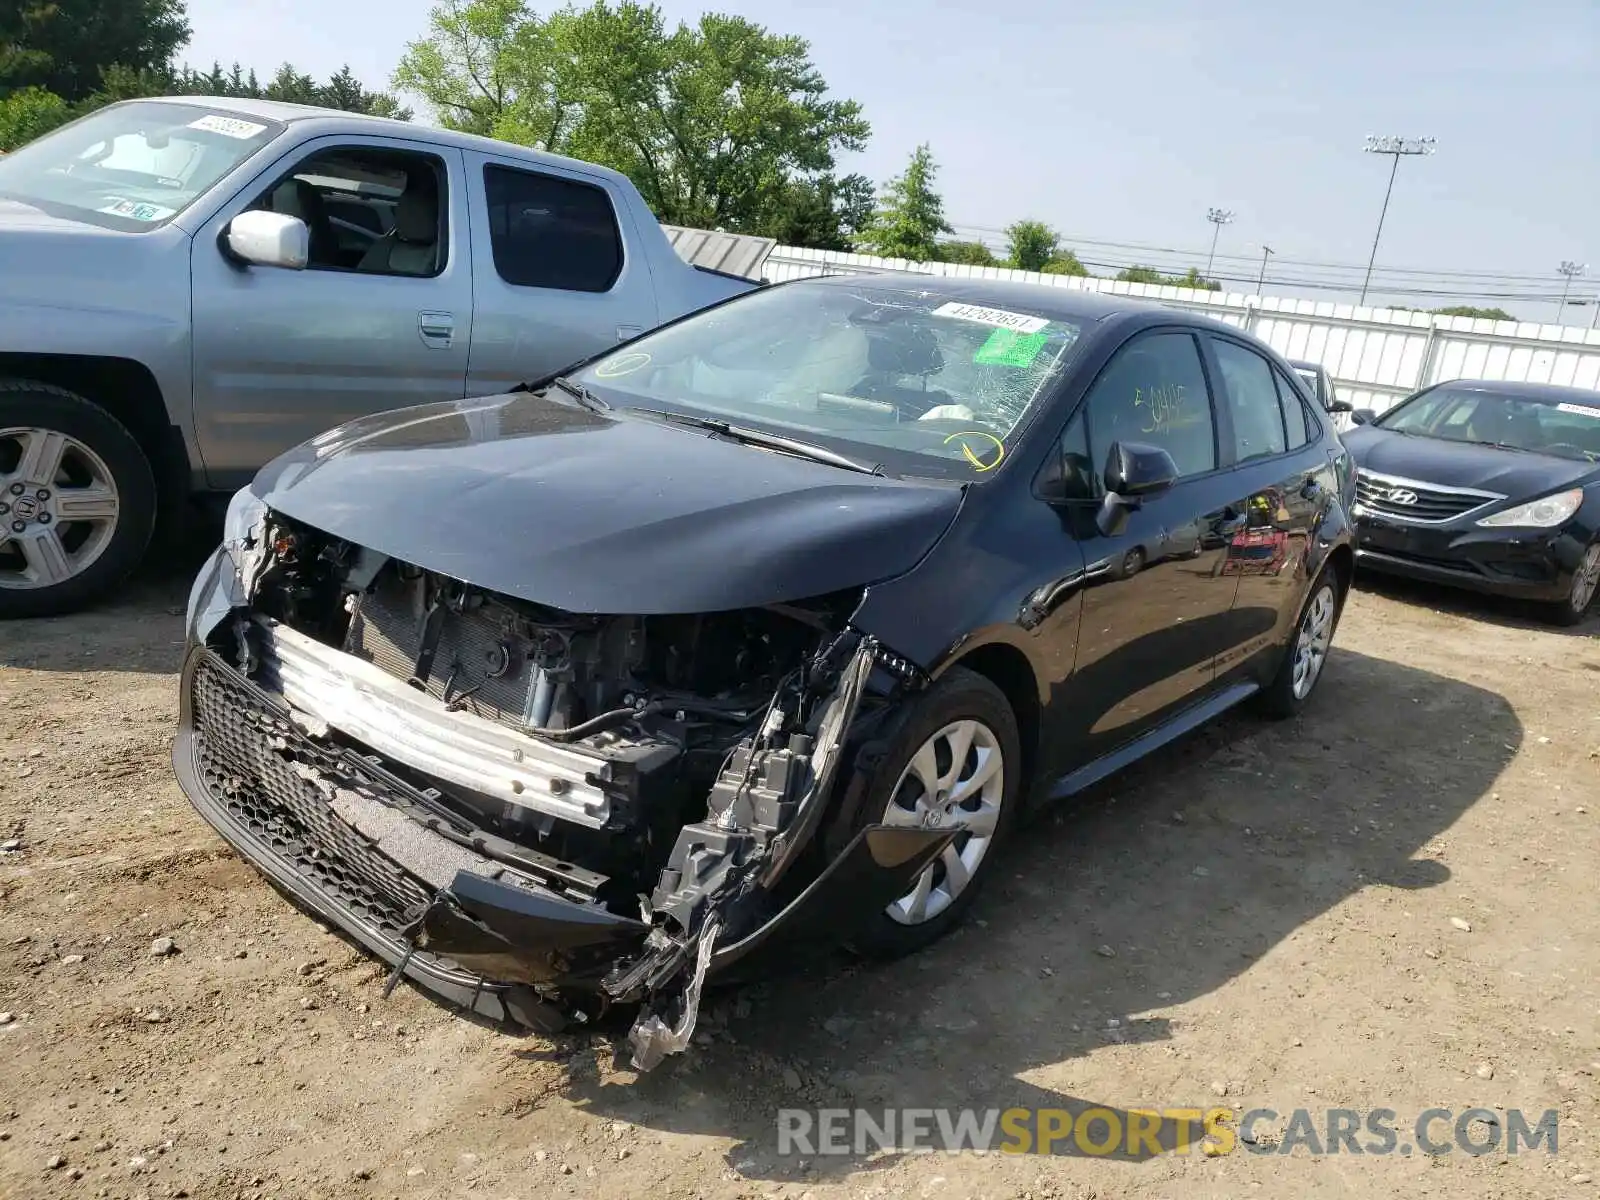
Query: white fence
[{"x": 1375, "y": 355}]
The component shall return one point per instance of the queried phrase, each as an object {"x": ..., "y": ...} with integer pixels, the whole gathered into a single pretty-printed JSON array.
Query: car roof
[
  {"x": 1553, "y": 393},
  {"x": 288, "y": 114},
  {"x": 1060, "y": 303}
]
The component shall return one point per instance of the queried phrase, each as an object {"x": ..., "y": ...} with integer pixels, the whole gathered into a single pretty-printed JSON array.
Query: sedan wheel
[
  {"x": 1313, "y": 640},
  {"x": 1587, "y": 580},
  {"x": 955, "y": 781},
  {"x": 58, "y": 508}
]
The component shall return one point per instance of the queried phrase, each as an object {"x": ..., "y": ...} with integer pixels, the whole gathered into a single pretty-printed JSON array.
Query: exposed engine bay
[{"x": 588, "y": 806}]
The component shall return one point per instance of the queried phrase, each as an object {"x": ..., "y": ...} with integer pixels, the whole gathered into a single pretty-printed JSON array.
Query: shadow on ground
[
  {"x": 1492, "y": 610},
  {"x": 1276, "y": 826},
  {"x": 140, "y": 628}
]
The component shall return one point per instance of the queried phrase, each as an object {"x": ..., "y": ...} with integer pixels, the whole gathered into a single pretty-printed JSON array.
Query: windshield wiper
[
  {"x": 581, "y": 394},
  {"x": 769, "y": 441},
  {"x": 1501, "y": 445}
]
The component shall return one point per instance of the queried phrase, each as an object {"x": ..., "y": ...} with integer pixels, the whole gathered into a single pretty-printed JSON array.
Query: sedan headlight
[
  {"x": 245, "y": 511},
  {"x": 1537, "y": 514}
]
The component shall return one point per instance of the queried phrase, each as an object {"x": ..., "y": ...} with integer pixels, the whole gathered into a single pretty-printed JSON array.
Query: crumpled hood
[
  {"x": 1512, "y": 473},
  {"x": 543, "y": 499}
]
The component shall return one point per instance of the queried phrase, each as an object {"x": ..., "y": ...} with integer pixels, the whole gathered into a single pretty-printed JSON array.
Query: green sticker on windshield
[{"x": 1008, "y": 348}]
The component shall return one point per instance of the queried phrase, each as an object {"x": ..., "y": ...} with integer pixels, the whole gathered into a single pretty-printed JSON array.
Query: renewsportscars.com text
[{"x": 1102, "y": 1132}]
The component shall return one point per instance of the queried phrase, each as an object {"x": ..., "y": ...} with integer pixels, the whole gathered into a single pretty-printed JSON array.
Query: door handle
[
  {"x": 438, "y": 329},
  {"x": 625, "y": 332}
]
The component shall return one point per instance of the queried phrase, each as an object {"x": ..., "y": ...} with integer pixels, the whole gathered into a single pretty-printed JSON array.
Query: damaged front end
[{"x": 538, "y": 814}]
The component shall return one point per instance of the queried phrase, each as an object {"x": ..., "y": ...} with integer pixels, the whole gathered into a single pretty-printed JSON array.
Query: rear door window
[
  {"x": 1258, "y": 426},
  {"x": 548, "y": 232}
]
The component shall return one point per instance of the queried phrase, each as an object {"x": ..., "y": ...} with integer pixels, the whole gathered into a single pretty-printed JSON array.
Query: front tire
[
  {"x": 77, "y": 500},
  {"x": 1585, "y": 584},
  {"x": 956, "y": 761}
]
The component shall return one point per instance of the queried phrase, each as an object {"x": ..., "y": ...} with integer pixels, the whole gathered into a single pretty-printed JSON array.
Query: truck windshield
[
  {"x": 132, "y": 166},
  {"x": 925, "y": 384}
]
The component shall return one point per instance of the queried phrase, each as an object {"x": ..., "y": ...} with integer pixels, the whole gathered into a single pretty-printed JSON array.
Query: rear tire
[
  {"x": 1306, "y": 655},
  {"x": 1585, "y": 586},
  {"x": 78, "y": 498},
  {"x": 962, "y": 713}
]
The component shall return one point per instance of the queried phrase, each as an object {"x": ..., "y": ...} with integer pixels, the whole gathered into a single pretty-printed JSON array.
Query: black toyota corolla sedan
[
  {"x": 1489, "y": 486},
  {"x": 761, "y": 630}
]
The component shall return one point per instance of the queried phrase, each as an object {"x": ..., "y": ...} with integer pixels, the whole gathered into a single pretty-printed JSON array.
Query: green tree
[
  {"x": 1142, "y": 274},
  {"x": 1031, "y": 244},
  {"x": 1065, "y": 262},
  {"x": 910, "y": 214},
  {"x": 822, "y": 214},
  {"x": 26, "y": 114},
  {"x": 65, "y": 46},
  {"x": 1467, "y": 310},
  {"x": 720, "y": 124},
  {"x": 972, "y": 254}
]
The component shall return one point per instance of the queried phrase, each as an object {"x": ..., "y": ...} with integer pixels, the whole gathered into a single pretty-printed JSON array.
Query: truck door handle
[{"x": 438, "y": 329}]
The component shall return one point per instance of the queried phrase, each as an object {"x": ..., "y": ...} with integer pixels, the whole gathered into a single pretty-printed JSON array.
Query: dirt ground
[{"x": 1388, "y": 904}]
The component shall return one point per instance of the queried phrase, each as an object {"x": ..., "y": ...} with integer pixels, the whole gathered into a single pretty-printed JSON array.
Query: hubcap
[
  {"x": 955, "y": 781},
  {"x": 1587, "y": 579},
  {"x": 58, "y": 507},
  {"x": 1311, "y": 643}
]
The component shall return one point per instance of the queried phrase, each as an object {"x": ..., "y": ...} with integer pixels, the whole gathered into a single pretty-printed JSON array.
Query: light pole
[
  {"x": 1266, "y": 251},
  {"x": 1218, "y": 217},
  {"x": 1397, "y": 148},
  {"x": 1571, "y": 270}
]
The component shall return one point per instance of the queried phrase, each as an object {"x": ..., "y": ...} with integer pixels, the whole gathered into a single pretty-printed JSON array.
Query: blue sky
[{"x": 1119, "y": 122}]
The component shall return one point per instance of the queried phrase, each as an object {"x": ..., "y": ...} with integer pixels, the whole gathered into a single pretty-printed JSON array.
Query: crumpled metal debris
[{"x": 652, "y": 1038}]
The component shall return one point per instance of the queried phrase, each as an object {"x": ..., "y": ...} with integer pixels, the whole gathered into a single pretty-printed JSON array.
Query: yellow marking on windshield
[
  {"x": 623, "y": 364},
  {"x": 966, "y": 451}
]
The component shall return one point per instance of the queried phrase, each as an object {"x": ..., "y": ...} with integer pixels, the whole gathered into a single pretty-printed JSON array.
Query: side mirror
[
  {"x": 1133, "y": 471},
  {"x": 268, "y": 239},
  {"x": 1362, "y": 416},
  {"x": 1341, "y": 406}
]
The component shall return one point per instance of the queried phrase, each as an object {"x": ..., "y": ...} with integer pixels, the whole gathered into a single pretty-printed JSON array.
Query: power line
[{"x": 1196, "y": 254}]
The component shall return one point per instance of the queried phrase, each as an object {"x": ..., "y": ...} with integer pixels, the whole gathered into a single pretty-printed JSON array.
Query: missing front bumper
[{"x": 489, "y": 937}]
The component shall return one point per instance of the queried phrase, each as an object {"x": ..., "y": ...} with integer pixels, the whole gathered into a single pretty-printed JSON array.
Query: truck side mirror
[
  {"x": 1362, "y": 416},
  {"x": 267, "y": 239},
  {"x": 1341, "y": 406}
]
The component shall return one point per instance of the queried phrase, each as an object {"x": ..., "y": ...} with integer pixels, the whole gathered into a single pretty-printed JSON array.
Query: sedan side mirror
[
  {"x": 268, "y": 239},
  {"x": 1362, "y": 416},
  {"x": 1341, "y": 406},
  {"x": 1133, "y": 472}
]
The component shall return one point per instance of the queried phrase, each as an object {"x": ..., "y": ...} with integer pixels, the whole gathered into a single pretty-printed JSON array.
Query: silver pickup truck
[{"x": 189, "y": 286}]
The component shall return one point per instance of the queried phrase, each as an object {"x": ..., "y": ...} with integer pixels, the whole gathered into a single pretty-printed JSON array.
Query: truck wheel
[{"x": 77, "y": 500}]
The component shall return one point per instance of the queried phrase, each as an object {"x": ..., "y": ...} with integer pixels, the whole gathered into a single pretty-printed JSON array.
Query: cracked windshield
[{"x": 925, "y": 385}]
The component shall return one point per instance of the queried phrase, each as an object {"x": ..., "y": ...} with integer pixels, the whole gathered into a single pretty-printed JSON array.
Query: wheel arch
[
  {"x": 128, "y": 391},
  {"x": 1008, "y": 668}
]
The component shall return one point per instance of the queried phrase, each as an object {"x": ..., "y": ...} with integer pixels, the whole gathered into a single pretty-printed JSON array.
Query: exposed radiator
[{"x": 484, "y": 657}]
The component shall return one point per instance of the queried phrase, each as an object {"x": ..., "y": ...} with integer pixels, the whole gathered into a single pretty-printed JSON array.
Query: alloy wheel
[
  {"x": 956, "y": 780},
  {"x": 1312, "y": 641},
  {"x": 58, "y": 507},
  {"x": 1586, "y": 580}
]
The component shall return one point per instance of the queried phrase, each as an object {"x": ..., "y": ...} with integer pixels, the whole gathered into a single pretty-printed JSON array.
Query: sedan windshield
[
  {"x": 131, "y": 166},
  {"x": 926, "y": 385},
  {"x": 1542, "y": 424}
]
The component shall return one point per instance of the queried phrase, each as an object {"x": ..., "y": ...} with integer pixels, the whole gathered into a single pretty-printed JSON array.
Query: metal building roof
[{"x": 732, "y": 253}]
